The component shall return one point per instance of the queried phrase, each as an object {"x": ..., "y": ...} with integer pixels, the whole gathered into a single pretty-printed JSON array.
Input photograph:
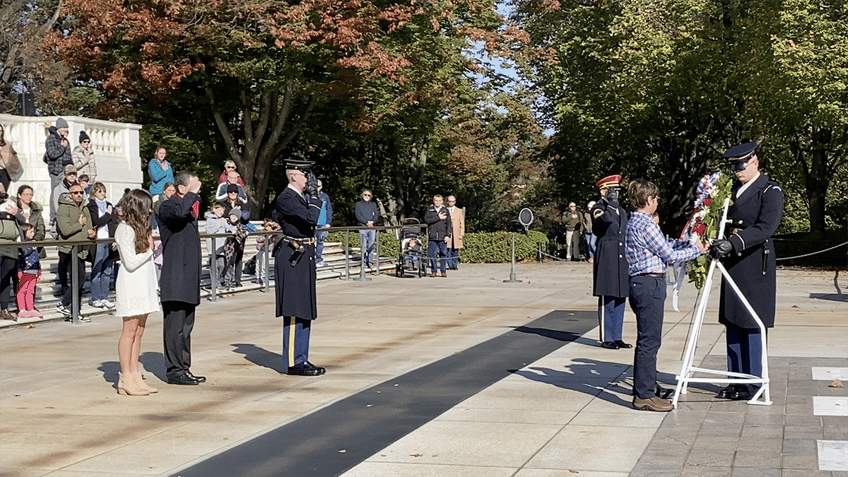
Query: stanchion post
[
  {"x": 377, "y": 251},
  {"x": 347, "y": 254},
  {"x": 512, "y": 278},
  {"x": 213, "y": 272},
  {"x": 75, "y": 284}
]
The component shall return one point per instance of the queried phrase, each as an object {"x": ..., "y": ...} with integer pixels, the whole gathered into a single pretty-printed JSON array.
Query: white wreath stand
[{"x": 688, "y": 370}]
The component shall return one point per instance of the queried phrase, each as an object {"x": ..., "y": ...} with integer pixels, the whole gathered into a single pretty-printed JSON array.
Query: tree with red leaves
[{"x": 245, "y": 76}]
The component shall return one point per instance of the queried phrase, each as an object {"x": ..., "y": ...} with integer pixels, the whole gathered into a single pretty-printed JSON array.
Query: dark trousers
[
  {"x": 647, "y": 300},
  {"x": 744, "y": 350},
  {"x": 611, "y": 317},
  {"x": 68, "y": 297},
  {"x": 62, "y": 270},
  {"x": 437, "y": 250},
  {"x": 176, "y": 331},
  {"x": 8, "y": 269},
  {"x": 453, "y": 258},
  {"x": 295, "y": 340}
]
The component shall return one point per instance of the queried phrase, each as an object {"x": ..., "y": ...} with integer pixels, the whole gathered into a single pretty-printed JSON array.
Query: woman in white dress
[{"x": 136, "y": 289}]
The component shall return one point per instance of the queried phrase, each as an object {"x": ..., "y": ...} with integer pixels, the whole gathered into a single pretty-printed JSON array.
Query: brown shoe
[
  {"x": 653, "y": 404},
  {"x": 433, "y": 275},
  {"x": 444, "y": 274},
  {"x": 5, "y": 315}
]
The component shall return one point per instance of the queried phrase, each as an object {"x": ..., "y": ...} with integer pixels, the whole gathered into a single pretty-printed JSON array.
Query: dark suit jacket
[
  {"x": 295, "y": 286},
  {"x": 181, "y": 261},
  {"x": 752, "y": 220}
]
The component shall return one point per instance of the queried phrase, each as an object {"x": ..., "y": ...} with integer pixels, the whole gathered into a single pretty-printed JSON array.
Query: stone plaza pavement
[{"x": 565, "y": 413}]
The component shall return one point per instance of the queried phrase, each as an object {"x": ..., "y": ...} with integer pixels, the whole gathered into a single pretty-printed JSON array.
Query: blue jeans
[
  {"x": 101, "y": 272},
  {"x": 320, "y": 236},
  {"x": 647, "y": 300},
  {"x": 366, "y": 242},
  {"x": 591, "y": 243},
  {"x": 437, "y": 250}
]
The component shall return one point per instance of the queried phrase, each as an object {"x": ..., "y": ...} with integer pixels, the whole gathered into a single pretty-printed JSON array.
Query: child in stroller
[{"x": 411, "y": 250}]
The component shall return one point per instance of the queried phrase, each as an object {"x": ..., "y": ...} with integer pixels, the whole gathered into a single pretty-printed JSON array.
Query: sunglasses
[
  {"x": 75, "y": 192},
  {"x": 366, "y": 195}
]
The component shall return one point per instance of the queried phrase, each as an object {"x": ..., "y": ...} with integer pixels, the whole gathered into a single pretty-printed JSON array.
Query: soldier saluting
[
  {"x": 296, "y": 211},
  {"x": 610, "y": 272},
  {"x": 747, "y": 253}
]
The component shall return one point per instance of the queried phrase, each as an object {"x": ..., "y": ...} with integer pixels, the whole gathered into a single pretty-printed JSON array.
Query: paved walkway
[{"x": 555, "y": 409}]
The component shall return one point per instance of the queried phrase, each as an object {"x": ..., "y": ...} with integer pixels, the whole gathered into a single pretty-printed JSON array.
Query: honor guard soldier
[
  {"x": 610, "y": 272},
  {"x": 296, "y": 210},
  {"x": 747, "y": 253}
]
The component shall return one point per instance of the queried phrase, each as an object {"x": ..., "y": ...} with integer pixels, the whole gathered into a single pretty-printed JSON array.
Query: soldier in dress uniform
[
  {"x": 296, "y": 211},
  {"x": 747, "y": 253},
  {"x": 609, "y": 221}
]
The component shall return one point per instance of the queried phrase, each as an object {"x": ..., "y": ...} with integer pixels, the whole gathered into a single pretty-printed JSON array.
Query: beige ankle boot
[
  {"x": 140, "y": 382},
  {"x": 128, "y": 387}
]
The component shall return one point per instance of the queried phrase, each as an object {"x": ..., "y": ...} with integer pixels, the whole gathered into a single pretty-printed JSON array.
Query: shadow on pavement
[{"x": 260, "y": 356}]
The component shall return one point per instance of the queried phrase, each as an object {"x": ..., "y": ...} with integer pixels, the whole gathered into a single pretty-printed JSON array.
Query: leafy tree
[
  {"x": 246, "y": 78},
  {"x": 660, "y": 88}
]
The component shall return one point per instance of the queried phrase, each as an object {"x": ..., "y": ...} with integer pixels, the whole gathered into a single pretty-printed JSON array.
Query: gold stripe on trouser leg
[{"x": 292, "y": 327}]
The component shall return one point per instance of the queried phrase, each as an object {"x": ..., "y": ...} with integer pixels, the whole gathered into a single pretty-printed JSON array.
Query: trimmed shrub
[
  {"x": 481, "y": 247},
  {"x": 496, "y": 247}
]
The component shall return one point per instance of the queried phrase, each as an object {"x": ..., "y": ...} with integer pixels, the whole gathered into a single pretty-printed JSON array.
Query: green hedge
[
  {"x": 483, "y": 247},
  {"x": 496, "y": 247}
]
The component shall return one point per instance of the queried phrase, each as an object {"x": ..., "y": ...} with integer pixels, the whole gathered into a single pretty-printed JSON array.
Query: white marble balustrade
[{"x": 115, "y": 145}]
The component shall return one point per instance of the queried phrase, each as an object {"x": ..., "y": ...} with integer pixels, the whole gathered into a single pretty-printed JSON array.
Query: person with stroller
[{"x": 439, "y": 227}]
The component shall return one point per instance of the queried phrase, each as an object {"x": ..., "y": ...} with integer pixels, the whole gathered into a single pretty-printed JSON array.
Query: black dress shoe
[
  {"x": 622, "y": 344},
  {"x": 320, "y": 369},
  {"x": 662, "y": 392},
  {"x": 726, "y": 391},
  {"x": 199, "y": 379},
  {"x": 609, "y": 345},
  {"x": 183, "y": 379},
  {"x": 302, "y": 369},
  {"x": 742, "y": 393}
]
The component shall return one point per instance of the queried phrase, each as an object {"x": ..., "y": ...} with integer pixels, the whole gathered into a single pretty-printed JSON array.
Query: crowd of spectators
[{"x": 79, "y": 210}]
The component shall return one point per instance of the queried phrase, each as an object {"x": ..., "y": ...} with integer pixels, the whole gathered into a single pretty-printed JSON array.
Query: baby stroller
[{"x": 411, "y": 250}]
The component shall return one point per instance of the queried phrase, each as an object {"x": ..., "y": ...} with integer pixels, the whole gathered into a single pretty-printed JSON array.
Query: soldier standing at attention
[
  {"x": 748, "y": 255},
  {"x": 610, "y": 272},
  {"x": 296, "y": 210}
]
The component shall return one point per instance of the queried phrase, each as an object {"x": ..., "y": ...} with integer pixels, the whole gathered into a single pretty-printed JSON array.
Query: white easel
[{"x": 686, "y": 372}]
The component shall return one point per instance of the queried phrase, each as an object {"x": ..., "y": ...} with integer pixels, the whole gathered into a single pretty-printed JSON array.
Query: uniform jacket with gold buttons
[{"x": 752, "y": 220}]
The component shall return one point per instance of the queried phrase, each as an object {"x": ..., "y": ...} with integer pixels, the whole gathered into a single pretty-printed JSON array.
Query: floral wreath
[{"x": 704, "y": 223}]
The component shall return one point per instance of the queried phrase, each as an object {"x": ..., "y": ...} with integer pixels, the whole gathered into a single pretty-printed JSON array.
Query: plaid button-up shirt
[{"x": 648, "y": 251}]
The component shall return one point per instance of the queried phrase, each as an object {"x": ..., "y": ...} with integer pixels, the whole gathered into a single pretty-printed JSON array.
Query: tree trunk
[{"x": 263, "y": 139}]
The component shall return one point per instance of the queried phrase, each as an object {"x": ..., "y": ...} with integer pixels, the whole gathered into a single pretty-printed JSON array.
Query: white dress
[{"x": 136, "y": 289}]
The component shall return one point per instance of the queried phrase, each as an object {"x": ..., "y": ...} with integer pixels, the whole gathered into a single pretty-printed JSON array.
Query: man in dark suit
[
  {"x": 296, "y": 210},
  {"x": 610, "y": 272},
  {"x": 748, "y": 255},
  {"x": 180, "y": 279}
]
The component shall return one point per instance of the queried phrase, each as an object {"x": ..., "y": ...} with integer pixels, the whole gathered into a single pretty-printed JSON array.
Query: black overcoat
[
  {"x": 610, "y": 272},
  {"x": 181, "y": 261},
  {"x": 752, "y": 220},
  {"x": 295, "y": 286}
]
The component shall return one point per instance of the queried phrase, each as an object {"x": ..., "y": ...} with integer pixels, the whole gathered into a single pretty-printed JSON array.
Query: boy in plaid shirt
[{"x": 648, "y": 253}]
